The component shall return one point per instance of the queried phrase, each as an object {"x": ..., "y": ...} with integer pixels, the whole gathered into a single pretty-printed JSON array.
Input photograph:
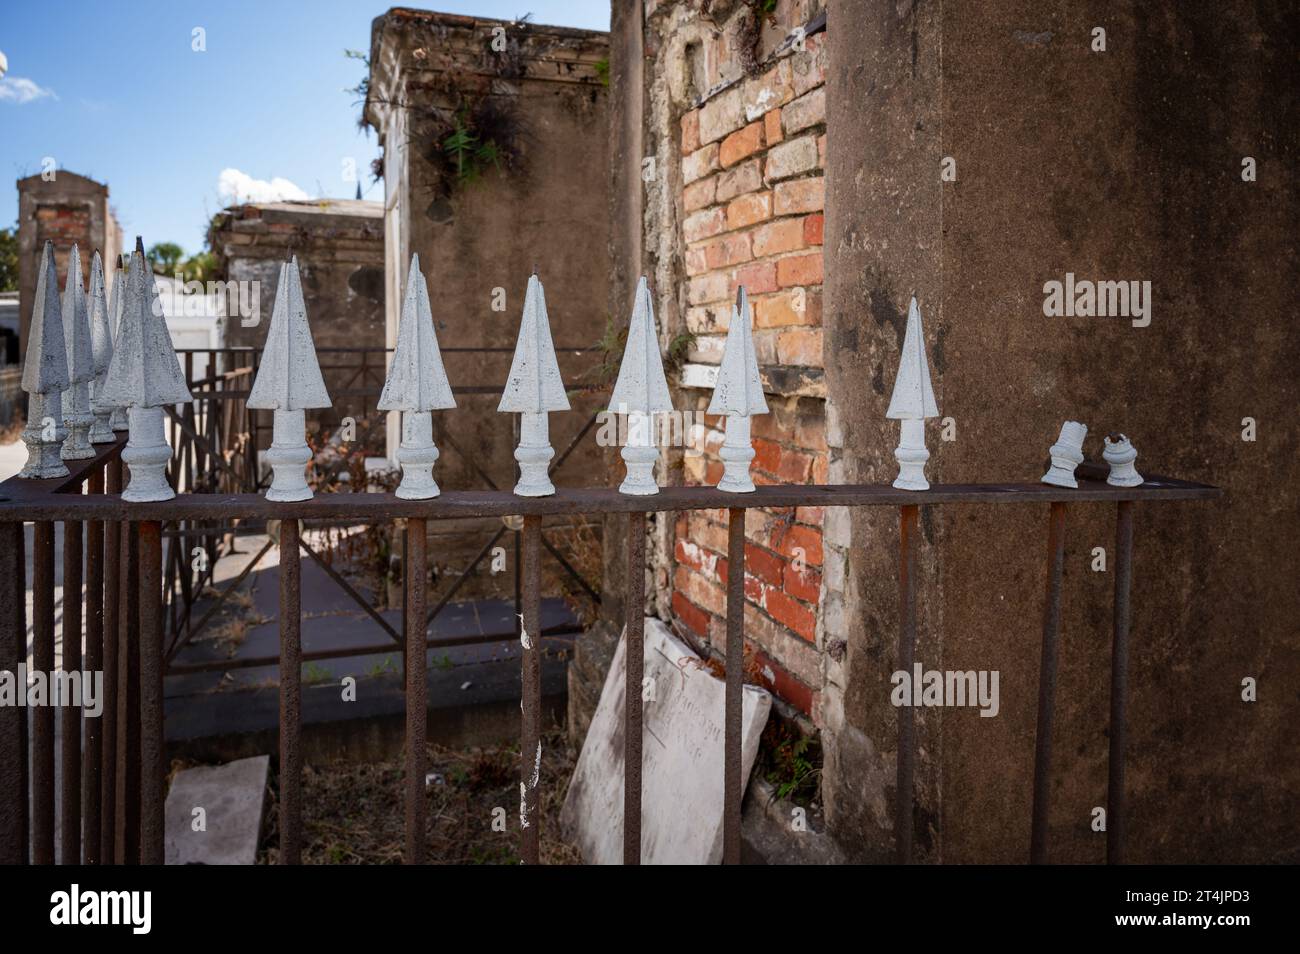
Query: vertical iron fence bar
[
  {"x": 1047, "y": 684},
  {"x": 530, "y": 736},
  {"x": 519, "y": 562},
  {"x": 43, "y": 716},
  {"x": 635, "y": 654},
  {"x": 290, "y": 696},
  {"x": 13, "y": 721},
  {"x": 128, "y": 701},
  {"x": 415, "y": 568},
  {"x": 70, "y": 715},
  {"x": 93, "y": 730},
  {"x": 732, "y": 792},
  {"x": 108, "y": 718},
  {"x": 1115, "y": 809},
  {"x": 903, "y": 796},
  {"x": 153, "y": 763}
]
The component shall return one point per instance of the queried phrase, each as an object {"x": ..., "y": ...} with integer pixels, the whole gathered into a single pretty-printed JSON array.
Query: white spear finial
[
  {"x": 81, "y": 364},
  {"x": 116, "y": 305},
  {"x": 101, "y": 349},
  {"x": 912, "y": 402},
  {"x": 738, "y": 393},
  {"x": 416, "y": 385},
  {"x": 289, "y": 383},
  {"x": 533, "y": 389},
  {"x": 45, "y": 376},
  {"x": 640, "y": 392},
  {"x": 144, "y": 376}
]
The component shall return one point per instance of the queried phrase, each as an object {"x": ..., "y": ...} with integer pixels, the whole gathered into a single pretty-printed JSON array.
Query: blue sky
[{"x": 114, "y": 91}]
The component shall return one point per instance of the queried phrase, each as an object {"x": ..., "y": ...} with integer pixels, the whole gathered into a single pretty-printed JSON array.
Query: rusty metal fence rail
[{"x": 114, "y": 774}]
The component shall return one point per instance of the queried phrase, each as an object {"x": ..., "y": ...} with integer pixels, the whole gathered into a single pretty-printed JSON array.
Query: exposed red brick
[
  {"x": 758, "y": 278},
  {"x": 764, "y": 565},
  {"x": 799, "y": 195},
  {"x": 767, "y": 455},
  {"x": 696, "y": 262},
  {"x": 702, "y": 225},
  {"x": 727, "y": 251},
  {"x": 699, "y": 194},
  {"x": 785, "y": 235},
  {"x": 778, "y": 680},
  {"x": 749, "y": 209},
  {"x": 800, "y": 347},
  {"x": 795, "y": 467},
  {"x": 741, "y": 144},
  {"x": 694, "y": 618},
  {"x": 813, "y": 227},
  {"x": 806, "y": 586},
  {"x": 821, "y": 467},
  {"x": 806, "y": 538},
  {"x": 772, "y": 127},
  {"x": 810, "y": 515},
  {"x": 776, "y": 311},
  {"x": 799, "y": 270},
  {"x": 795, "y": 616},
  {"x": 690, "y": 132}
]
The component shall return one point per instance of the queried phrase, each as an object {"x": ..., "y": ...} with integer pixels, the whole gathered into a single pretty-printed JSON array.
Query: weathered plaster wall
[
  {"x": 340, "y": 251},
  {"x": 489, "y": 234},
  {"x": 1123, "y": 164}
]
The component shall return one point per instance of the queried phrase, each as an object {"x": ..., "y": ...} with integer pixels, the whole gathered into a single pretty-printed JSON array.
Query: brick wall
[{"x": 748, "y": 199}]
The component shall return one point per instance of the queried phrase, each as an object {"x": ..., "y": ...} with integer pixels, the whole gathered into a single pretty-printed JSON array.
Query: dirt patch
[{"x": 353, "y": 813}]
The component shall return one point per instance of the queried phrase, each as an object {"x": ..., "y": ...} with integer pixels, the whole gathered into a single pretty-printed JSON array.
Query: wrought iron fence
[{"x": 114, "y": 776}]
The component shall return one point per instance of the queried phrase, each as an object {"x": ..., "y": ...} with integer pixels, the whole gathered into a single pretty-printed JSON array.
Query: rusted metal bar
[
  {"x": 69, "y": 714},
  {"x": 1115, "y": 808},
  {"x": 519, "y": 594},
  {"x": 1047, "y": 684},
  {"x": 416, "y": 572},
  {"x": 530, "y": 736},
  {"x": 108, "y": 720},
  {"x": 153, "y": 761},
  {"x": 290, "y": 696},
  {"x": 732, "y": 790},
  {"x": 127, "y": 849},
  {"x": 13, "y": 722},
  {"x": 92, "y": 757},
  {"x": 43, "y": 716},
  {"x": 632, "y": 702},
  {"x": 903, "y": 795},
  {"x": 28, "y": 502}
]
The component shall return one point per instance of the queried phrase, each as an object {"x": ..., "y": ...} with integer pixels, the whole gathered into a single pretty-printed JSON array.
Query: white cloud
[
  {"x": 18, "y": 89},
  {"x": 234, "y": 186}
]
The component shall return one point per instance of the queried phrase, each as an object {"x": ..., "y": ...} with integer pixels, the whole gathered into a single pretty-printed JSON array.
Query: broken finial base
[
  {"x": 736, "y": 452},
  {"x": 1067, "y": 454},
  {"x": 288, "y": 457},
  {"x": 146, "y": 455},
  {"x": 1121, "y": 454},
  {"x": 911, "y": 456},
  {"x": 417, "y": 455}
]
